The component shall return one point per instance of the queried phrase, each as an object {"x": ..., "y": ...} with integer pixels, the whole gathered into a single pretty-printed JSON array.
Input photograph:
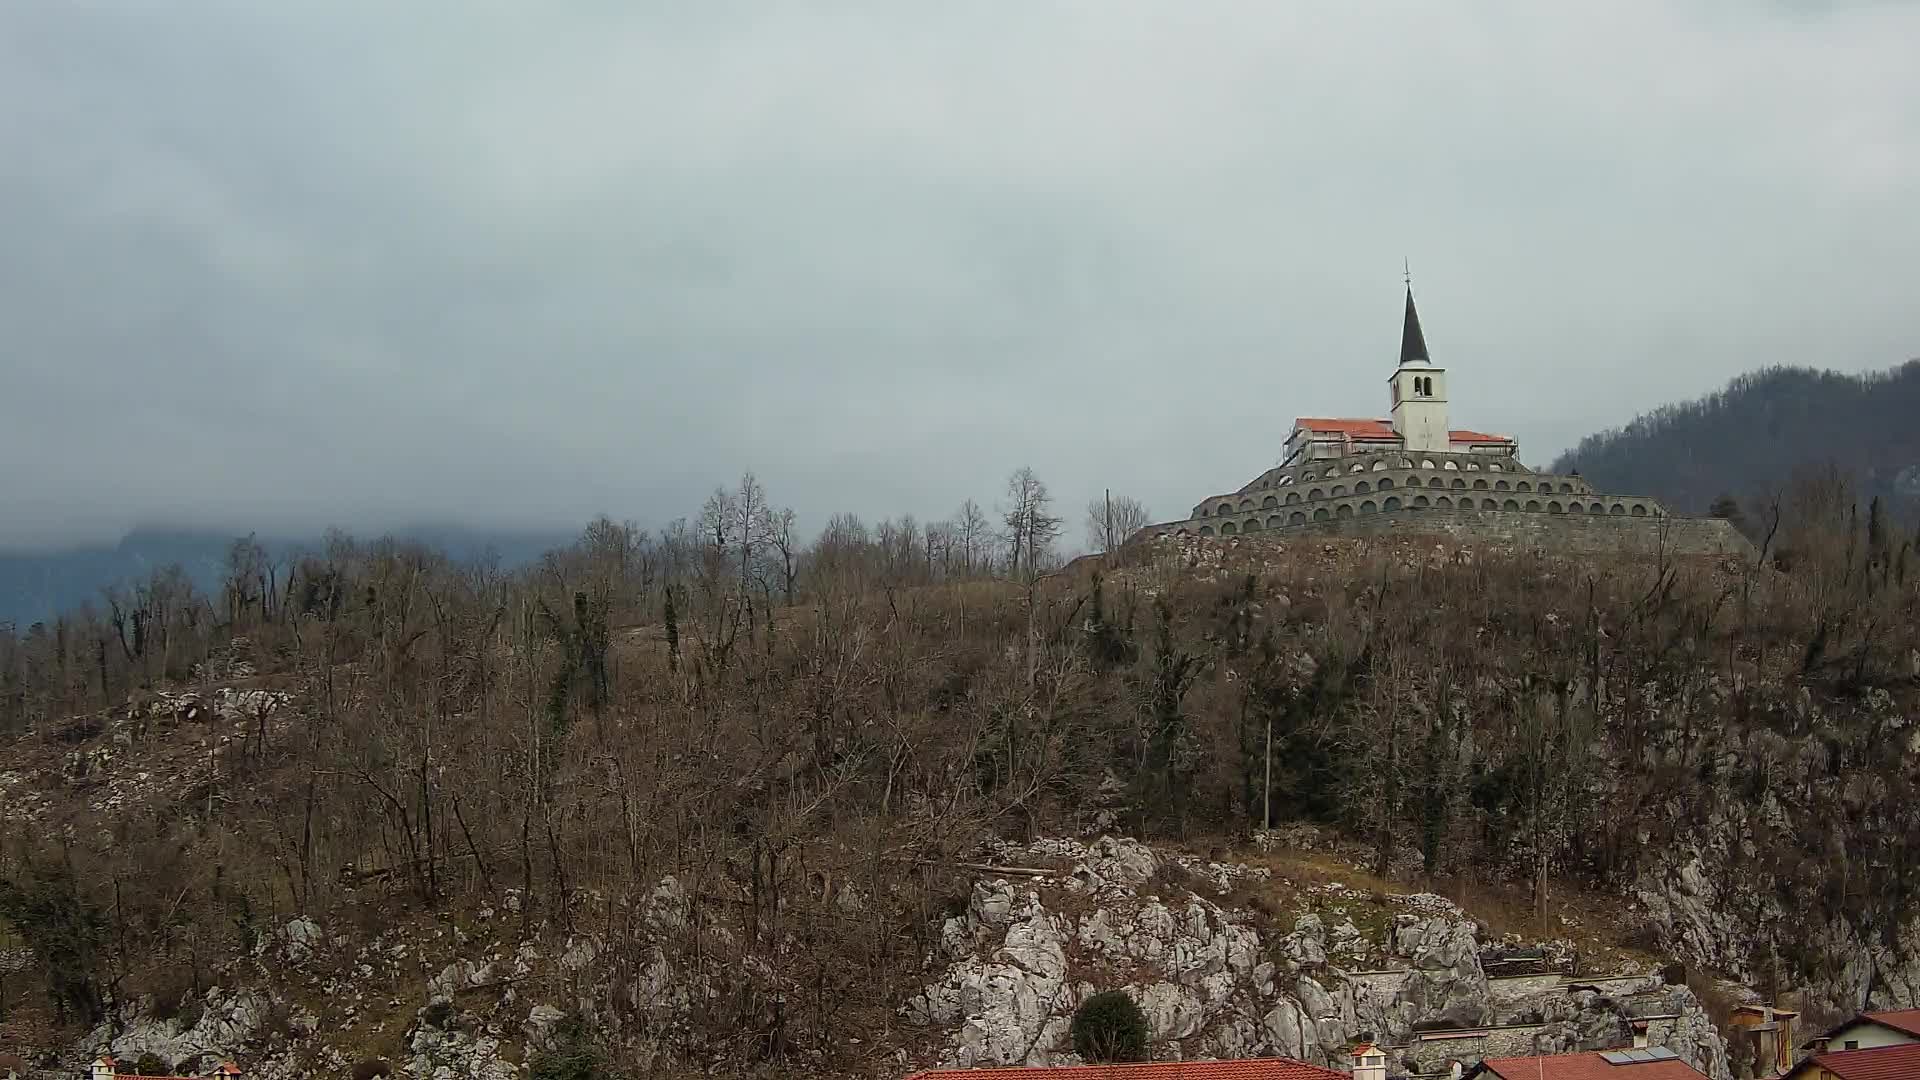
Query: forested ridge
[{"x": 1747, "y": 440}]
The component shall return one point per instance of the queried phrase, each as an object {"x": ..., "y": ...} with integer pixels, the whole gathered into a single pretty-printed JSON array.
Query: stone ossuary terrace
[{"x": 1413, "y": 473}]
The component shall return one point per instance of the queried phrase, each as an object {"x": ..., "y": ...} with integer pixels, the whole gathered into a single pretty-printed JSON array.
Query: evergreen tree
[{"x": 1110, "y": 1028}]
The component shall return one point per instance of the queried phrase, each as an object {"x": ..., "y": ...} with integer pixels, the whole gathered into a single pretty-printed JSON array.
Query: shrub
[
  {"x": 1169, "y": 880},
  {"x": 573, "y": 1056},
  {"x": 151, "y": 1064},
  {"x": 1109, "y": 1027},
  {"x": 371, "y": 1069},
  {"x": 437, "y": 1014}
]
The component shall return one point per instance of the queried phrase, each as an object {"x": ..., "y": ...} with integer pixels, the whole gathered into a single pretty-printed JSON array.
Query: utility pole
[
  {"x": 1266, "y": 784},
  {"x": 1106, "y": 538}
]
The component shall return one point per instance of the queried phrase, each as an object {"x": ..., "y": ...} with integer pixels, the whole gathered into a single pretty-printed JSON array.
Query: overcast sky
[{"x": 279, "y": 265}]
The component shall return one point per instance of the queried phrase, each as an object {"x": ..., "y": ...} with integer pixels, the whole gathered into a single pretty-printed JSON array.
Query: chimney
[
  {"x": 1640, "y": 1035},
  {"x": 1369, "y": 1062}
]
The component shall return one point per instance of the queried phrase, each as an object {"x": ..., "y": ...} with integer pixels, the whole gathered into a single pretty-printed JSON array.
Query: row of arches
[
  {"x": 1381, "y": 464},
  {"x": 1229, "y": 506},
  {"x": 1351, "y": 508}
]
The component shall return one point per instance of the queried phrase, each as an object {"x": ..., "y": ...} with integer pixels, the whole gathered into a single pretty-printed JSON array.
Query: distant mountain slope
[
  {"x": 1747, "y": 439},
  {"x": 39, "y": 585}
]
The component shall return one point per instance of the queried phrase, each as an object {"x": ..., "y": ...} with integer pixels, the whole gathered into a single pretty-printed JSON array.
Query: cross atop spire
[{"x": 1413, "y": 344}]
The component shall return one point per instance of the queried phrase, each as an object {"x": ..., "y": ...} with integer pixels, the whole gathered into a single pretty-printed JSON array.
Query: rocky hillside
[{"x": 590, "y": 817}]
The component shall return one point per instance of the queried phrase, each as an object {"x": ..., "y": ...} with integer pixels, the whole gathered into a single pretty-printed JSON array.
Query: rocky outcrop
[
  {"x": 225, "y": 1022},
  {"x": 1221, "y": 982}
]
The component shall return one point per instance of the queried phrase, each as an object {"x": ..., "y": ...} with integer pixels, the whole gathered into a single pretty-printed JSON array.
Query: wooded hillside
[
  {"x": 777, "y": 726},
  {"x": 1748, "y": 440}
]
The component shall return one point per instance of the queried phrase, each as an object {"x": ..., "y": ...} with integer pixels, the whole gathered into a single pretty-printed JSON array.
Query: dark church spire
[{"x": 1413, "y": 344}]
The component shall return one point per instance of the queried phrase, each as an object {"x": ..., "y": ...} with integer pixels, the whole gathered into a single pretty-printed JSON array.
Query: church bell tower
[{"x": 1419, "y": 391}]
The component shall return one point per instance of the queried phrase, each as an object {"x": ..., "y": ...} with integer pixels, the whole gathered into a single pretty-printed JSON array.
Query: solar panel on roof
[
  {"x": 1615, "y": 1057},
  {"x": 1661, "y": 1053}
]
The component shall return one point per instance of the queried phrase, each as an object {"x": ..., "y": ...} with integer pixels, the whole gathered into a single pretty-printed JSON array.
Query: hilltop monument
[{"x": 1412, "y": 472}]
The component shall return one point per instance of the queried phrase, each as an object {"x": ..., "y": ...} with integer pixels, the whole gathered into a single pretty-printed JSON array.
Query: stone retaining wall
[{"x": 1580, "y": 534}]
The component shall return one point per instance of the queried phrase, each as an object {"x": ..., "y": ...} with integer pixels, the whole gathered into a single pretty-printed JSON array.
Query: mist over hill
[
  {"x": 1747, "y": 439},
  {"x": 37, "y": 585}
]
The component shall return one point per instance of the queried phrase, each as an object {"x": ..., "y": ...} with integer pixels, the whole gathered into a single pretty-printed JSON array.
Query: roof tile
[
  {"x": 1880, "y": 1063},
  {"x": 1588, "y": 1066},
  {"x": 1245, "y": 1069},
  {"x": 1907, "y": 1020}
]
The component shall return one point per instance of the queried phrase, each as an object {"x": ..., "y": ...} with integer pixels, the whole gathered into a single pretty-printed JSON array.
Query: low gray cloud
[{"x": 281, "y": 265}]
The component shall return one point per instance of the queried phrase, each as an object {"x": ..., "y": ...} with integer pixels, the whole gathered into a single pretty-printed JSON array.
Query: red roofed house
[
  {"x": 106, "y": 1068},
  {"x": 1246, "y": 1069},
  {"x": 1869, "y": 1030},
  {"x": 1898, "y": 1062},
  {"x": 1652, "y": 1064},
  {"x": 1412, "y": 471}
]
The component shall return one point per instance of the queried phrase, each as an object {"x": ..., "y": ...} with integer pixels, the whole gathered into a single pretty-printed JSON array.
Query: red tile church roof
[
  {"x": 1356, "y": 428},
  {"x": 1352, "y": 428}
]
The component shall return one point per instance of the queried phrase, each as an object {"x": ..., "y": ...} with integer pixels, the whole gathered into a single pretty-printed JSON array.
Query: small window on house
[{"x": 1852, "y": 1044}]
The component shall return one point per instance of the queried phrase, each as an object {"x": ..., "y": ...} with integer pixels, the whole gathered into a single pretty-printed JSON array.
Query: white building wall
[
  {"x": 1868, "y": 1036},
  {"x": 1421, "y": 419}
]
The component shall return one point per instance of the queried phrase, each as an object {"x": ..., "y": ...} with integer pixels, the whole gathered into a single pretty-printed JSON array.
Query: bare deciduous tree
[
  {"x": 1111, "y": 519},
  {"x": 1030, "y": 524}
]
